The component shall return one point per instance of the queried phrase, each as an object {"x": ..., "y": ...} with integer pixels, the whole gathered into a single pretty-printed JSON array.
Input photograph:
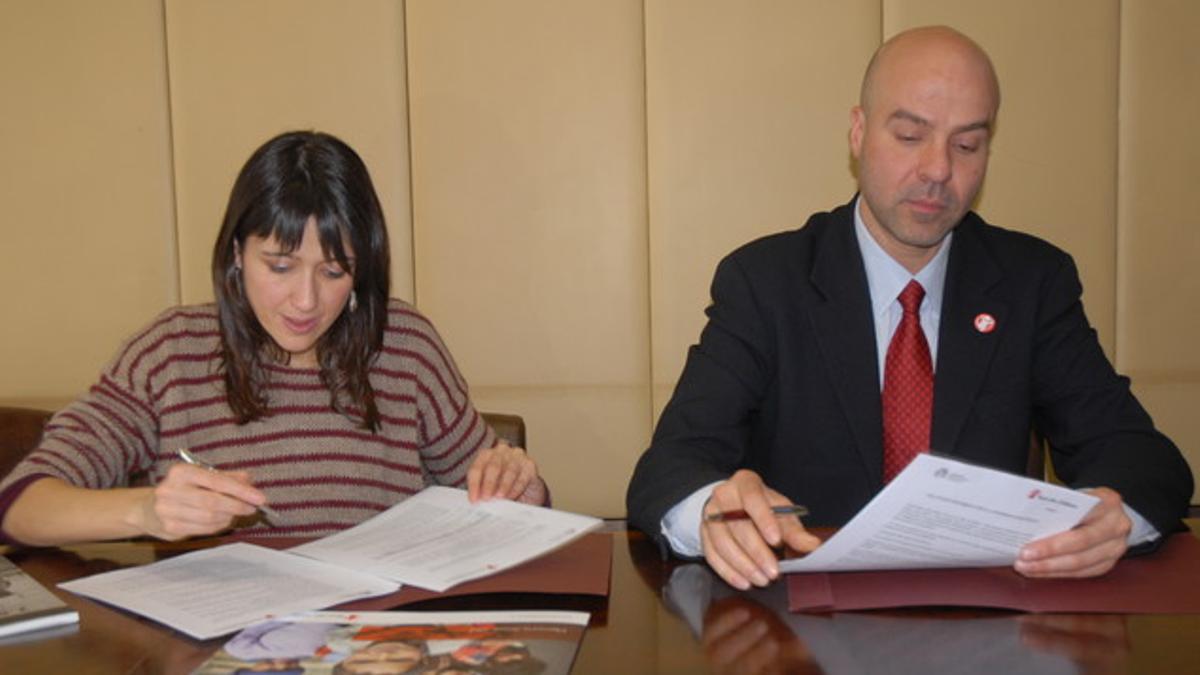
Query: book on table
[
  {"x": 26, "y": 606},
  {"x": 434, "y": 539},
  {"x": 419, "y": 642}
]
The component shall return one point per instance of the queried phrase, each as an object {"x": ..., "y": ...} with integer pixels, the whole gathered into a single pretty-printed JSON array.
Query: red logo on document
[
  {"x": 1034, "y": 493},
  {"x": 985, "y": 323}
]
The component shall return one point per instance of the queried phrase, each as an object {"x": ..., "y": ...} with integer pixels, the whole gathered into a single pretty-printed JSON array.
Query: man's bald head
[
  {"x": 927, "y": 44},
  {"x": 921, "y": 136}
]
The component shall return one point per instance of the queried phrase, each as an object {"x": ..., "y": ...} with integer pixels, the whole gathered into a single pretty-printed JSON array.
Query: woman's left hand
[{"x": 506, "y": 472}]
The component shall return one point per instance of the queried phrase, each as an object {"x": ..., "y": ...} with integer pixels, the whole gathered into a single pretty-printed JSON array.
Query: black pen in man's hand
[{"x": 739, "y": 514}]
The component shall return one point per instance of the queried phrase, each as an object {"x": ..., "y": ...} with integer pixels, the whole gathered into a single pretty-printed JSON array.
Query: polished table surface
[{"x": 669, "y": 617}]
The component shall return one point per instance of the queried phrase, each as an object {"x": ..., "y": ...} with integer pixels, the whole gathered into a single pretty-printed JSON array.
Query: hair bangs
[
  {"x": 333, "y": 233},
  {"x": 286, "y": 219}
]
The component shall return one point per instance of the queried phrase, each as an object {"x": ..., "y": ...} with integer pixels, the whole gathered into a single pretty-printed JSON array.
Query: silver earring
[{"x": 353, "y": 301}]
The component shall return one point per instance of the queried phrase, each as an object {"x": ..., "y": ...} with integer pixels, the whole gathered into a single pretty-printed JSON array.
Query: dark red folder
[{"x": 1164, "y": 582}]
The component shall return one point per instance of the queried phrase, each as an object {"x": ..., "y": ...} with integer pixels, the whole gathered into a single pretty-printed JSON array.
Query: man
[{"x": 894, "y": 324}]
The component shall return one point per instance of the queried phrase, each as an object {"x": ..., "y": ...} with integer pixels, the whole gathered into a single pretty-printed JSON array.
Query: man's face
[{"x": 922, "y": 146}]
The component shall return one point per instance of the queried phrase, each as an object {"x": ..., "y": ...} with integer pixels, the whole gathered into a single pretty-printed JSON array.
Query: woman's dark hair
[{"x": 288, "y": 180}]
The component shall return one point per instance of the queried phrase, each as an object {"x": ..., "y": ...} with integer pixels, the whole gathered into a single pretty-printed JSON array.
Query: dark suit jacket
[{"x": 785, "y": 379}]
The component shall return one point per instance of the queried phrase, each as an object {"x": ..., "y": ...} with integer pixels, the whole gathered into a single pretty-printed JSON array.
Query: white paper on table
[
  {"x": 436, "y": 538},
  {"x": 941, "y": 512},
  {"x": 219, "y": 590}
]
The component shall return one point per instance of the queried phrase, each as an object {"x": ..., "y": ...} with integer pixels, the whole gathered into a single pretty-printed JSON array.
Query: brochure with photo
[{"x": 329, "y": 643}]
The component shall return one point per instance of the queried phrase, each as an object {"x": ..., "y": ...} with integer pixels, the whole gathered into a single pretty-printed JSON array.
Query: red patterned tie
[{"x": 907, "y": 388}]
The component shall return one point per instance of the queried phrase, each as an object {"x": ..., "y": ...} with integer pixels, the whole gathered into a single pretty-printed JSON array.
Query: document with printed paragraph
[
  {"x": 437, "y": 539},
  {"x": 940, "y": 512},
  {"x": 434, "y": 539}
]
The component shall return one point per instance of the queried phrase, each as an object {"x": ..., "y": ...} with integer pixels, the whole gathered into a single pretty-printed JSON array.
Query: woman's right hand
[{"x": 192, "y": 501}]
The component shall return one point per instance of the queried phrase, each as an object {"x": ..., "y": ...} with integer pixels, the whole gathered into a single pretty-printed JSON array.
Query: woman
[{"x": 304, "y": 385}]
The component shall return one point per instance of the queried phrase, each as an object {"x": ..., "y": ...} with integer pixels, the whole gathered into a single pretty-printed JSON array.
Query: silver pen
[{"x": 272, "y": 518}]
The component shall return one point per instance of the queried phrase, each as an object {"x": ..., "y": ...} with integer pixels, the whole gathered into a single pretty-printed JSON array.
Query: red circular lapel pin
[{"x": 985, "y": 323}]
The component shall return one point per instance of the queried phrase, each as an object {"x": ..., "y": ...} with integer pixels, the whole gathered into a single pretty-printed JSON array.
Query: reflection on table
[
  {"x": 666, "y": 617},
  {"x": 752, "y": 632}
]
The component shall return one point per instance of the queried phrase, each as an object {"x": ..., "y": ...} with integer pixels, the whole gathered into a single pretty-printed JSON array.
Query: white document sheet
[
  {"x": 940, "y": 512},
  {"x": 220, "y": 590},
  {"x": 437, "y": 539}
]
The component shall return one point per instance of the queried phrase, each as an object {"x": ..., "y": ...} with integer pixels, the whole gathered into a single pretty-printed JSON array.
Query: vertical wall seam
[
  {"x": 173, "y": 238},
  {"x": 1118, "y": 256},
  {"x": 649, "y": 239},
  {"x": 412, "y": 167},
  {"x": 882, "y": 23}
]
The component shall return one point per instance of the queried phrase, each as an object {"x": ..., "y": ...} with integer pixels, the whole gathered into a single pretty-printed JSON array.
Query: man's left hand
[{"x": 1088, "y": 550}]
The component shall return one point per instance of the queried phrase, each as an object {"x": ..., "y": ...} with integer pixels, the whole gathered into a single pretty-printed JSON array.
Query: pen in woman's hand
[
  {"x": 271, "y": 517},
  {"x": 739, "y": 514}
]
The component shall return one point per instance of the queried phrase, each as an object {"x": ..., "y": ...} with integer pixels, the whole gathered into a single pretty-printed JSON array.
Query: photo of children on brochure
[{"x": 373, "y": 643}]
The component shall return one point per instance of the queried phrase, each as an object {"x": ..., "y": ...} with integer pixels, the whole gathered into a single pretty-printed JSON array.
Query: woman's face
[{"x": 295, "y": 296}]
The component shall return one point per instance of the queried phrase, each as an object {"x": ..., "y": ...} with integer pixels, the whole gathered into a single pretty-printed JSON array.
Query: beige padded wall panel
[
  {"x": 1158, "y": 293},
  {"x": 1053, "y": 164},
  {"x": 747, "y": 117},
  {"x": 530, "y": 222},
  {"x": 87, "y": 225},
  {"x": 242, "y": 72}
]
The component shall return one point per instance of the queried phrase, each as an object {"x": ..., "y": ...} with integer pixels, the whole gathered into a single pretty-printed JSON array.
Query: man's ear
[{"x": 858, "y": 123}]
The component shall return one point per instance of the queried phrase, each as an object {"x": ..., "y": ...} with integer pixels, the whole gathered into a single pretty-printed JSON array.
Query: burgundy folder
[{"x": 1164, "y": 582}]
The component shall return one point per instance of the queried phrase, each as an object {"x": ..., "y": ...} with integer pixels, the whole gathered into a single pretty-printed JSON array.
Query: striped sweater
[{"x": 320, "y": 471}]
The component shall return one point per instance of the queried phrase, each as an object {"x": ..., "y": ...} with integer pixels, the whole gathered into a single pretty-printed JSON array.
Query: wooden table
[{"x": 666, "y": 617}]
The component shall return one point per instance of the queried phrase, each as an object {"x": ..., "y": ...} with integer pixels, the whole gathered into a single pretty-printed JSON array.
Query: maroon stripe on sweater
[
  {"x": 209, "y": 379},
  {"x": 177, "y": 358},
  {"x": 153, "y": 346},
  {"x": 427, "y": 338},
  {"x": 455, "y": 425},
  {"x": 330, "y": 503},
  {"x": 94, "y": 432},
  {"x": 103, "y": 472},
  {"x": 66, "y": 467},
  {"x": 395, "y": 398},
  {"x": 113, "y": 418},
  {"x": 471, "y": 442},
  {"x": 425, "y": 393},
  {"x": 193, "y": 404},
  {"x": 437, "y": 409},
  {"x": 298, "y": 530},
  {"x": 121, "y": 404},
  {"x": 113, "y": 389},
  {"x": 296, "y": 386},
  {"x": 334, "y": 480},
  {"x": 456, "y": 393},
  {"x": 458, "y": 428},
  {"x": 422, "y": 330},
  {"x": 169, "y": 432},
  {"x": 259, "y": 462},
  {"x": 399, "y": 421},
  {"x": 167, "y": 317},
  {"x": 155, "y": 397}
]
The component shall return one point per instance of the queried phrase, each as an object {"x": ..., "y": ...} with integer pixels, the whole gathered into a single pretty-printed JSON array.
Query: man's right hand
[{"x": 741, "y": 550}]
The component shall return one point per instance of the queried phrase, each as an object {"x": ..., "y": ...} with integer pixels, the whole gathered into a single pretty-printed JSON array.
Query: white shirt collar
[{"x": 886, "y": 277}]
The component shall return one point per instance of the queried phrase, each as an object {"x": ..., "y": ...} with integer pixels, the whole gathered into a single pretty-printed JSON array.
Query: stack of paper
[{"x": 434, "y": 540}]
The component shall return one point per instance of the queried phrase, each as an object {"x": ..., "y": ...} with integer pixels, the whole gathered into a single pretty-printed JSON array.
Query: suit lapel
[
  {"x": 845, "y": 332},
  {"x": 964, "y": 351}
]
